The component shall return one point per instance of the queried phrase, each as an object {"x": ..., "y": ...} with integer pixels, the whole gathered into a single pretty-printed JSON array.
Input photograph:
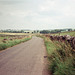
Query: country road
[{"x": 24, "y": 59}]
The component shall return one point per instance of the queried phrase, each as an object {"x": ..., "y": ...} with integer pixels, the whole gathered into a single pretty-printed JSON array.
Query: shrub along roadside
[
  {"x": 61, "y": 57},
  {"x": 12, "y": 43}
]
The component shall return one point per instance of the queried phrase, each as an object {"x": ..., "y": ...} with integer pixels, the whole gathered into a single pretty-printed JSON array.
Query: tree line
[
  {"x": 55, "y": 31},
  {"x": 37, "y": 31}
]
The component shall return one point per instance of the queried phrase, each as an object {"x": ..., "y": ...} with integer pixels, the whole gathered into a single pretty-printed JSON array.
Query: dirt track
[{"x": 24, "y": 59}]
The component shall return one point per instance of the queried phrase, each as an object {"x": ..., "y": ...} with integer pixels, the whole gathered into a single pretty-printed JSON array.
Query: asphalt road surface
[{"x": 24, "y": 59}]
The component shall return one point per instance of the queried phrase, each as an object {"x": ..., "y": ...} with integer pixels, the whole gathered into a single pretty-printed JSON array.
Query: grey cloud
[
  {"x": 29, "y": 14},
  {"x": 51, "y": 13},
  {"x": 9, "y": 2},
  {"x": 1, "y": 13}
]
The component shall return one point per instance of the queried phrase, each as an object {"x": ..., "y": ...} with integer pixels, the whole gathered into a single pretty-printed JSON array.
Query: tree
[{"x": 45, "y": 31}]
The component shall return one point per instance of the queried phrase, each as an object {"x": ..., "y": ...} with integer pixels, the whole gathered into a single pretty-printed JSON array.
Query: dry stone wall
[{"x": 65, "y": 38}]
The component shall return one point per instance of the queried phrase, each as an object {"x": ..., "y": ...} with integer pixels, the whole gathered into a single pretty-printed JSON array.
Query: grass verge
[
  {"x": 61, "y": 57},
  {"x": 12, "y": 43}
]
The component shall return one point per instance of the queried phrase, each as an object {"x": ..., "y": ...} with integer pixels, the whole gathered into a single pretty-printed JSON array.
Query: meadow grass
[
  {"x": 1, "y": 38},
  {"x": 50, "y": 46},
  {"x": 12, "y": 43},
  {"x": 62, "y": 60}
]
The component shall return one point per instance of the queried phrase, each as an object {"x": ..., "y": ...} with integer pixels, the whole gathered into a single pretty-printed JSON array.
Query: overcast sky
[{"x": 37, "y": 14}]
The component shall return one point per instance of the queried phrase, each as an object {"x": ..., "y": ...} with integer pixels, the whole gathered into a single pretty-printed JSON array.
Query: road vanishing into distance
[{"x": 24, "y": 59}]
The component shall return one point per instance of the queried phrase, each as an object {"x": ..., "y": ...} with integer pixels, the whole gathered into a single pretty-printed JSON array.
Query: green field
[{"x": 71, "y": 33}]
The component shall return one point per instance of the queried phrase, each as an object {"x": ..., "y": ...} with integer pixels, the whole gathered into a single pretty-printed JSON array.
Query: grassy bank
[
  {"x": 60, "y": 56},
  {"x": 12, "y": 43}
]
